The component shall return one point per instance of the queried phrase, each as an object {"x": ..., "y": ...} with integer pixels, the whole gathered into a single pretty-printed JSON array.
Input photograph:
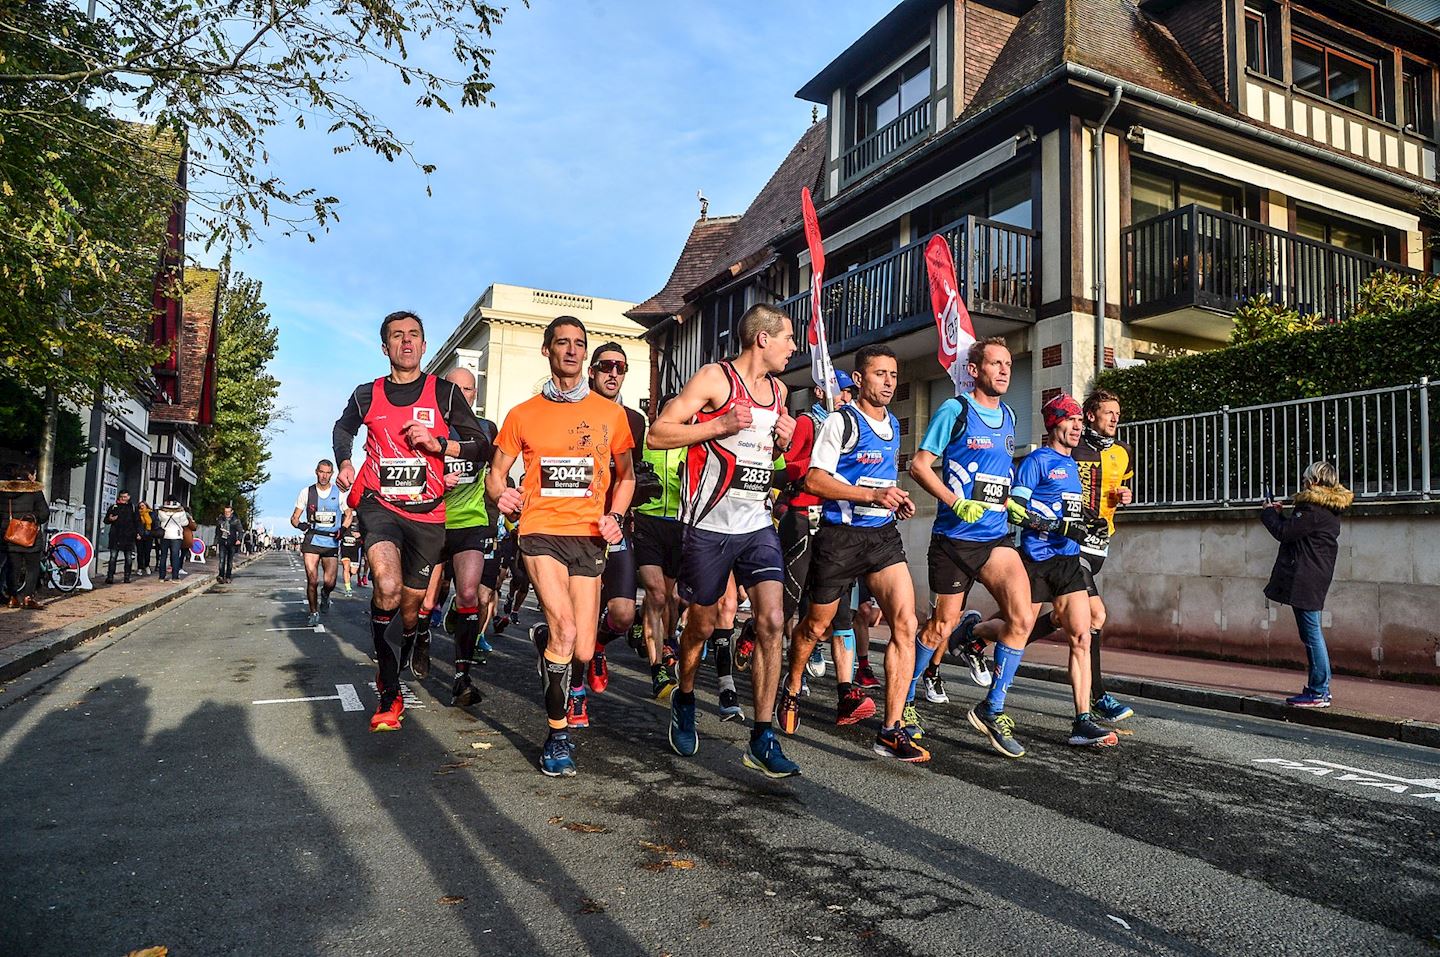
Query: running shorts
[
  {"x": 844, "y": 553},
  {"x": 582, "y": 555},
  {"x": 658, "y": 542},
  {"x": 490, "y": 574},
  {"x": 308, "y": 549},
  {"x": 955, "y": 563},
  {"x": 1091, "y": 565},
  {"x": 797, "y": 533},
  {"x": 477, "y": 538},
  {"x": 1055, "y": 577},
  {"x": 350, "y": 553},
  {"x": 708, "y": 558},
  {"x": 421, "y": 544},
  {"x": 618, "y": 581}
]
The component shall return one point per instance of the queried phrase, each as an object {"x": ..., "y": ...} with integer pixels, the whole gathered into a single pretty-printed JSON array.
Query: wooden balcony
[
  {"x": 894, "y": 137},
  {"x": 890, "y": 296},
  {"x": 1190, "y": 269}
]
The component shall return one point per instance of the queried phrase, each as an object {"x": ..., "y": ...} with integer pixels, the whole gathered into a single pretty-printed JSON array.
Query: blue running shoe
[
  {"x": 482, "y": 645},
  {"x": 1109, "y": 709},
  {"x": 683, "y": 739},
  {"x": 437, "y": 618},
  {"x": 999, "y": 728},
  {"x": 815, "y": 667},
  {"x": 557, "y": 759},
  {"x": 764, "y": 755}
]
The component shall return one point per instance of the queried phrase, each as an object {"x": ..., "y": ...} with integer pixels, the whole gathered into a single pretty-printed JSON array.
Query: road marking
[
  {"x": 406, "y": 694},
  {"x": 322, "y": 697},
  {"x": 318, "y": 629},
  {"x": 349, "y": 698},
  {"x": 1422, "y": 789}
]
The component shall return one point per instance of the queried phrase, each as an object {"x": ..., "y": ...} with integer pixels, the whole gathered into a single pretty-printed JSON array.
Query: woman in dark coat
[
  {"x": 1309, "y": 541},
  {"x": 23, "y": 497}
]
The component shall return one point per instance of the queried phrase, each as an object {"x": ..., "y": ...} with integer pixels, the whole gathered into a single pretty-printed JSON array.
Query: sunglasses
[{"x": 609, "y": 366}]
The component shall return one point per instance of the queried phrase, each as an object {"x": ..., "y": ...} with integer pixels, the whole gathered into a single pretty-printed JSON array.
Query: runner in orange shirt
[{"x": 567, "y": 437}]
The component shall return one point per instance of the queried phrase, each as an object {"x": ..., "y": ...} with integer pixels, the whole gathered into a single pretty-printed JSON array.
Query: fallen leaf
[
  {"x": 583, "y": 828},
  {"x": 657, "y": 848},
  {"x": 481, "y": 745},
  {"x": 589, "y": 905},
  {"x": 453, "y": 766},
  {"x": 150, "y": 952},
  {"x": 450, "y": 900},
  {"x": 833, "y": 907},
  {"x": 557, "y": 819},
  {"x": 705, "y": 923},
  {"x": 683, "y": 865}
]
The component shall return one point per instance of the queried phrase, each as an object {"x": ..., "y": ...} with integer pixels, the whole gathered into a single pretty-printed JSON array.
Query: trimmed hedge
[{"x": 1362, "y": 353}]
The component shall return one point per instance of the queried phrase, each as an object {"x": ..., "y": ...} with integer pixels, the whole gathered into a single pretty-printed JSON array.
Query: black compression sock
[
  {"x": 557, "y": 675},
  {"x": 685, "y": 697},
  {"x": 577, "y": 674},
  {"x": 1044, "y": 625},
  {"x": 723, "y": 638},
  {"x": 1097, "y": 680},
  {"x": 385, "y": 632},
  {"x": 842, "y": 688}
]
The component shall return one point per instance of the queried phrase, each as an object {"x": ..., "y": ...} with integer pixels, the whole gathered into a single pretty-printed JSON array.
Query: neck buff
[
  {"x": 820, "y": 411},
  {"x": 1097, "y": 440},
  {"x": 554, "y": 393}
]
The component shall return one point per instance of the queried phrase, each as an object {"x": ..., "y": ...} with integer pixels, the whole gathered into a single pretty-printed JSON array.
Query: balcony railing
[
  {"x": 1197, "y": 257},
  {"x": 995, "y": 266},
  {"x": 907, "y": 128}
]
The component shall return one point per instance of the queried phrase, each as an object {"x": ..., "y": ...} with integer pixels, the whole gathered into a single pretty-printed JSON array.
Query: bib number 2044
[{"x": 566, "y": 476}]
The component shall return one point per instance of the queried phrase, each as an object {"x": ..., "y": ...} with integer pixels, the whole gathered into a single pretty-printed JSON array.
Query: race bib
[
  {"x": 463, "y": 468},
  {"x": 873, "y": 511},
  {"x": 755, "y": 457},
  {"x": 566, "y": 476},
  {"x": 990, "y": 490},
  {"x": 1072, "y": 504},
  {"x": 402, "y": 479},
  {"x": 1097, "y": 541},
  {"x": 324, "y": 518},
  {"x": 619, "y": 546}
]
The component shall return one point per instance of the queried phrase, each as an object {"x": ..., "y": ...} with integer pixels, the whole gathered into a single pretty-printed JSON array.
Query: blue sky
[{"x": 607, "y": 118}]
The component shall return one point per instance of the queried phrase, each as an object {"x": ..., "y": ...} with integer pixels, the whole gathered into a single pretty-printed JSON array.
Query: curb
[
  {"x": 1395, "y": 729},
  {"x": 28, "y": 655}
]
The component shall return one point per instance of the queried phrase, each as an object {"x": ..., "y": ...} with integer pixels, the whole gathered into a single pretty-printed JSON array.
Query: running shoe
[
  {"x": 662, "y": 683},
  {"x": 683, "y": 739},
  {"x": 635, "y": 638},
  {"x": 865, "y": 676},
  {"x": 978, "y": 665},
  {"x": 557, "y": 759},
  {"x": 854, "y": 707},
  {"x": 463, "y": 692},
  {"x": 670, "y": 650},
  {"x": 935, "y": 687},
  {"x": 540, "y": 637},
  {"x": 730, "y": 709},
  {"x": 764, "y": 755},
  {"x": 597, "y": 673},
  {"x": 437, "y": 618},
  {"x": 420, "y": 656},
  {"x": 324, "y": 600},
  {"x": 787, "y": 710},
  {"x": 314, "y": 618},
  {"x": 804, "y": 686},
  {"x": 577, "y": 715},
  {"x": 501, "y": 624},
  {"x": 1110, "y": 709},
  {"x": 896, "y": 743},
  {"x": 1085, "y": 733},
  {"x": 1308, "y": 699},
  {"x": 815, "y": 667},
  {"x": 348, "y": 589},
  {"x": 387, "y": 717},
  {"x": 483, "y": 646},
  {"x": 910, "y": 719},
  {"x": 452, "y": 618},
  {"x": 999, "y": 728},
  {"x": 964, "y": 633},
  {"x": 745, "y": 646}
]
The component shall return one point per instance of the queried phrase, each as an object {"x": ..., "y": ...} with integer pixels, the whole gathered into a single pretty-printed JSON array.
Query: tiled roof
[
  {"x": 707, "y": 237},
  {"x": 777, "y": 206},
  {"x": 1111, "y": 36}
]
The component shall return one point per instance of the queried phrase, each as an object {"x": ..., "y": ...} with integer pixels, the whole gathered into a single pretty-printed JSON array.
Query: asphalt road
[{"x": 148, "y": 800}]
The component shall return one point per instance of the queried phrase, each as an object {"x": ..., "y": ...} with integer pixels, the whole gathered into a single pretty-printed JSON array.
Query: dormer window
[
  {"x": 1334, "y": 74},
  {"x": 883, "y": 102}
]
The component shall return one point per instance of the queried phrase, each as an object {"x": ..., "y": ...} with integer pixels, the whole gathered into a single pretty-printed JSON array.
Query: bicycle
[{"x": 60, "y": 566}]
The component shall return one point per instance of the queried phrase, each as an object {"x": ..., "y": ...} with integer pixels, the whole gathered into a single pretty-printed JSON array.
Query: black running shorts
[
  {"x": 1091, "y": 565},
  {"x": 955, "y": 563},
  {"x": 350, "y": 553},
  {"x": 797, "y": 541},
  {"x": 708, "y": 559},
  {"x": 658, "y": 542},
  {"x": 306, "y": 548},
  {"x": 421, "y": 544},
  {"x": 582, "y": 555},
  {"x": 477, "y": 538},
  {"x": 619, "y": 577},
  {"x": 490, "y": 574},
  {"x": 1055, "y": 577},
  {"x": 844, "y": 553}
]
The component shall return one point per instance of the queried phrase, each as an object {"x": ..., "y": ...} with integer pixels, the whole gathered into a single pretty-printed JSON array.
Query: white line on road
[
  {"x": 1362, "y": 778},
  {"x": 318, "y": 629},
  {"x": 322, "y": 697},
  {"x": 349, "y": 698}
]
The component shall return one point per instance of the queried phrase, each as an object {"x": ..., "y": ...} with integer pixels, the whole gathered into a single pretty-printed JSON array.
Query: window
[
  {"x": 899, "y": 92},
  {"x": 1155, "y": 190},
  {"x": 1256, "y": 42},
  {"x": 1005, "y": 200},
  {"x": 1419, "y": 106},
  {"x": 1337, "y": 76},
  {"x": 1345, "y": 233}
]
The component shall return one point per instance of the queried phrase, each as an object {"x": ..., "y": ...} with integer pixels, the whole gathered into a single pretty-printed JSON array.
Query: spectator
[
  {"x": 1309, "y": 541},
  {"x": 143, "y": 539},
  {"x": 23, "y": 499},
  {"x": 124, "y": 524},
  {"x": 173, "y": 521},
  {"x": 228, "y": 534}
]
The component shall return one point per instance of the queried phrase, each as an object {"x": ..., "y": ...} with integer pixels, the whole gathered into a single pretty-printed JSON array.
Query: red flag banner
[
  {"x": 952, "y": 319},
  {"x": 821, "y": 369}
]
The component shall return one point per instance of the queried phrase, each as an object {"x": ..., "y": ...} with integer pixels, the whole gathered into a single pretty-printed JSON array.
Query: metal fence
[{"x": 1381, "y": 441}]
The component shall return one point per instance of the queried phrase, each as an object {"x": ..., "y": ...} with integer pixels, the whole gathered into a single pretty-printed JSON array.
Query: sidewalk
[
  {"x": 28, "y": 639},
  {"x": 1384, "y": 709}
]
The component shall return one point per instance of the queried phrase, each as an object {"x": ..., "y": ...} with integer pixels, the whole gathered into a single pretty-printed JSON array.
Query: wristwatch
[{"x": 619, "y": 519}]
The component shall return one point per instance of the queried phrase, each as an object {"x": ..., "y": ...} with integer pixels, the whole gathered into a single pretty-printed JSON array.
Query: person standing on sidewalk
[
  {"x": 1309, "y": 541},
  {"x": 23, "y": 499},
  {"x": 173, "y": 520},
  {"x": 144, "y": 519},
  {"x": 228, "y": 533},
  {"x": 123, "y": 524}
]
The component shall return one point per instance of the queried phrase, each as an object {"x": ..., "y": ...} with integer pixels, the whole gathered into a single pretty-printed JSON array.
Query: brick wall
[{"x": 986, "y": 31}]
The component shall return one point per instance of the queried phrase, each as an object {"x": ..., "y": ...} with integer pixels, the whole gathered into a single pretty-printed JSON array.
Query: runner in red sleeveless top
[{"x": 400, "y": 492}]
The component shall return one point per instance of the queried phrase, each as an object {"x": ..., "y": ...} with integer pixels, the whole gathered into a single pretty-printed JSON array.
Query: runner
[
  {"x": 1105, "y": 465},
  {"x": 1047, "y": 504},
  {"x": 854, "y": 469},
  {"x": 659, "y": 534},
  {"x": 317, "y": 514},
  {"x": 608, "y": 366},
  {"x": 469, "y": 546},
  {"x": 972, "y": 436},
  {"x": 350, "y": 549},
  {"x": 732, "y": 417},
  {"x": 576, "y": 449},
  {"x": 508, "y": 555},
  {"x": 398, "y": 494},
  {"x": 867, "y": 616}
]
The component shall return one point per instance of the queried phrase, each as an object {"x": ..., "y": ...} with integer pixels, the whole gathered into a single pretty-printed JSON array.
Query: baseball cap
[
  {"x": 843, "y": 380},
  {"x": 1059, "y": 409}
]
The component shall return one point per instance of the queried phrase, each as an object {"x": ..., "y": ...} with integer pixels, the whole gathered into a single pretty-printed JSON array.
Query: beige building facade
[{"x": 500, "y": 337}]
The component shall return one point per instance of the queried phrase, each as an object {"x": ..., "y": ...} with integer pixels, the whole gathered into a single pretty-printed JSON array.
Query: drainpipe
[{"x": 1097, "y": 160}]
